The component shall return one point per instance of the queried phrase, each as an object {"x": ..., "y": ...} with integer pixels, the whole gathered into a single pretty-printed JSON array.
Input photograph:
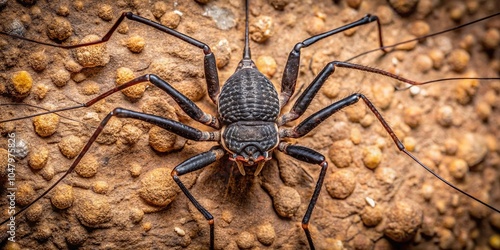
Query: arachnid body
[{"x": 250, "y": 125}]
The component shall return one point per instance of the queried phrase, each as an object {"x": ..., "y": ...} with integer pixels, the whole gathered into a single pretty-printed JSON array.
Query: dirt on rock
[{"x": 389, "y": 201}]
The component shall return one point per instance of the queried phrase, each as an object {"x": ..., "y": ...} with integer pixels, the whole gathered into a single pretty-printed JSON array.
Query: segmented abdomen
[{"x": 248, "y": 96}]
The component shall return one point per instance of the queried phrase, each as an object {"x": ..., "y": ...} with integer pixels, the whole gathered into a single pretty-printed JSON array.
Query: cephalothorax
[{"x": 248, "y": 124}]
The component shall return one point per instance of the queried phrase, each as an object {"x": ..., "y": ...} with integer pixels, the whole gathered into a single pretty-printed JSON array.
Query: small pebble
[
  {"x": 483, "y": 110},
  {"x": 42, "y": 232},
  {"x": 72, "y": 66},
  {"x": 21, "y": 149},
  {"x": 122, "y": 28},
  {"x": 38, "y": 158},
  {"x": 467, "y": 42},
  {"x": 472, "y": 6},
  {"x": 161, "y": 140},
  {"x": 130, "y": 134},
  {"x": 423, "y": 63},
  {"x": 124, "y": 75},
  {"x": 465, "y": 89},
  {"x": 372, "y": 216},
  {"x": 136, "y": 44},
  {"x": 458, "y": 60},
  {"x": 491, "y": 98},
  {"x": 59, "y": 29},
  {"x": 62, "y": 196},
  {"x": 227, "y": 216},
  {"x": 100, "y": 187},
  {"x": 159, "y": 9},
  {"x": 472, "y": 148},
  {"x": 412, "y": 116},
  {"x": 372, "y": 156},
  {"x": 20, "y": 84},
  {"x": 419, "y": 28},
  {"x": 193, "y": 90},
  {"x": 409, "y": 143},
  {"x": 437, "y": 57},
  {"x": 495, "y": 220},
  {"x": 147, "y": 226},
  {"x": 245, "y": 240},
  {"x": 63, "y": 10},
  {"x": 446, "y": 238},
  {"x": 354, "y": 3},
  {"x": 261, "y": 29},
  {"x": 382, "y": 94},
  {"x": 105, "y": 12},
  {"x": 415, "y": 90},
  {"x": 355, "y": 136},
  {"x": 370, "y": 201},
  {"x": 60, "y": 77},
  {"x": 427, "y": 191},
  {"x": 179, "y": 231},
  {"x": 403, "y": 220},
  {"x": 449, "y": 222},
  {"x": 408, "y": 45},
  {"x": 171, "y": 19},
  {"x": 340, "y": 153},
  {"x": 494, "y": 241},
  {"x": 266, "y": 234},
  {"x": 478, "y": 210},
  {"x": 16, "y": 27},
  {"x": 341, "y": 184},
  {"x": 40, "y": 91},
  {"x": 457, "y": 11},
  {"x": 35, "y": 212},
  {"x": 170, "y": 70},
  {"x": 91, "y": 56},
  {"x": 362, "y": 242},
  {"x": 331, "y": 89},
  {"x": 89, "y": 88},
  {"x": 93, "y": 210},
  {"x": 384, "y": 14},
  {"x": 450, "y": 146},
  {"x": 39, "y": 61},
  {"x": 76, "y": 235},
  {"x": 386, "y": 175},
  {"x": 46, "y": 125},
  {"x": 279, "y": 4},
  {"x": 70, "y": 146},
  {"x": 78, "y": 5},
  {"x": 87, "y": 167},
  {"x": 25, "y": 194},
  {"x": 445, "y": 115},
  {"x": 136, "y": 215},
  {"x": 10, "y": 245},
  {"x": 110, "y": 132},
  {"x": 223, "y": 53},
  {"x": 404, "y": 7},
  {"x": 491, "y": 39},
  {"x": 355, "y": 113},
  {"x": 266, "y": 65},
  {"x": 158, "y": 188},
  {"x": 48, "y": 172},
  {"x": 79, "y": 77},
  {"x": 286, "y": 201},
  {"x": 135, "y": 169}
]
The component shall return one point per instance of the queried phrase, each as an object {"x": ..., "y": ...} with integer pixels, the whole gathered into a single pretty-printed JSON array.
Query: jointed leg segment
[
  {"x": 192, "y": 164},
  {"x": 310, "y": 156},
  {"x": 292, "y": 65}
]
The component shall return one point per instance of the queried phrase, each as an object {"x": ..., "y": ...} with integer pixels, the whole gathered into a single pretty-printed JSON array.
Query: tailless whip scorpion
[{"x": 251, "y": 122}]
